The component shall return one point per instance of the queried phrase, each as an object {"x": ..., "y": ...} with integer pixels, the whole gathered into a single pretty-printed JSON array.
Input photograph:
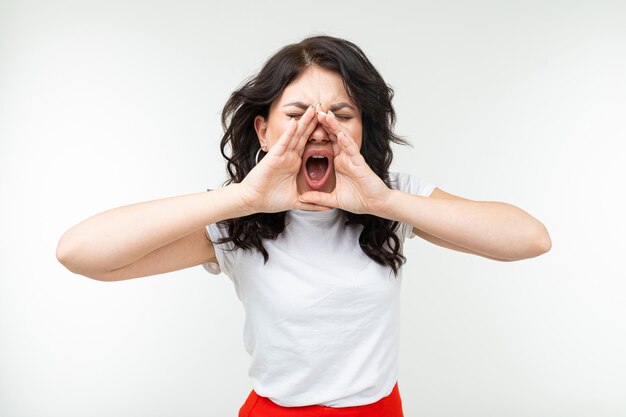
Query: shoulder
[{"x": 410, "y": 183}]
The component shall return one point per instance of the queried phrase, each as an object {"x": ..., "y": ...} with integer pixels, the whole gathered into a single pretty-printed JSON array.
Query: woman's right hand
[{"x": 271, "y": 185}]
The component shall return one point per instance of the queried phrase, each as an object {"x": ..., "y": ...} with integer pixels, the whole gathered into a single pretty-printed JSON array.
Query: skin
[
  {"x": 352, "y": 184},
  {"x": 168, "y": 234},
  {"x": 316, "y": 86}
]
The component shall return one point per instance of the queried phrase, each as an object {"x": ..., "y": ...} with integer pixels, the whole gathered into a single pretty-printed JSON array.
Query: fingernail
[
  {"x": 321, "y": 112},
  {"x": 318, "y": 105}
]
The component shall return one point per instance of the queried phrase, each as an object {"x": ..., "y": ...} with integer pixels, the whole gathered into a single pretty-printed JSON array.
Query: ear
[{"x": 260, "y": 125}]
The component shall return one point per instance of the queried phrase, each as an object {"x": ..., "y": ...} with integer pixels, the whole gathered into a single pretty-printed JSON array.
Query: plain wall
[{"x": 108, "y": 103}]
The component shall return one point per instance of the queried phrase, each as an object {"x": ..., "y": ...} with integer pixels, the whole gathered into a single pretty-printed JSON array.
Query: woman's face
[{"x": 315, "y": 85}]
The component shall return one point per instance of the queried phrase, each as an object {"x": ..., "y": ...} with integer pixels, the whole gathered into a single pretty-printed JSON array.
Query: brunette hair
[{"x": 366, "y": 89}]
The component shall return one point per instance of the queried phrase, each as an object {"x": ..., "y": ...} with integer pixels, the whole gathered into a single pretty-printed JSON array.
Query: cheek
[
  {"x": 275, "y": 131},
  {"x": 357, "y": 133}
]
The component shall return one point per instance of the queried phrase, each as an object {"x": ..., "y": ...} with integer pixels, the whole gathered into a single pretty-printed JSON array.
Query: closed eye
[{"x": 338, "y": 116}]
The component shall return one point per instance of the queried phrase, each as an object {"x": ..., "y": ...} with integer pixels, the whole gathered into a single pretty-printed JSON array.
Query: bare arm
[
  {"x": 168, "y": 234},
  {"x": 491, "y": 229},
  {"x": 121, "y": 237},
  {"x": 438, "y": 193}
]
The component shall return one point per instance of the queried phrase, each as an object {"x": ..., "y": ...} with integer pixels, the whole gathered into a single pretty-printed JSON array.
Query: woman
[{"x": 309, "y": 228}]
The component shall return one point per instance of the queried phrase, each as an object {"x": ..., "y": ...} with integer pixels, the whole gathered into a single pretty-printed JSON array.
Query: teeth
[{"x": 318, "y": 156}]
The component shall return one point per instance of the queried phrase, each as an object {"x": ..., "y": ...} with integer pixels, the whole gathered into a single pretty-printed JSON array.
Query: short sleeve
[
  {"x": 224, "y": 252},
  {"x": 410, "y": 184},
  {"x": 212, "y": 268}
]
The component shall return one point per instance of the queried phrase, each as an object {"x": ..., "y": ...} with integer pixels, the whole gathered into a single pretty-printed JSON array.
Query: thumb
[{"x": 318, "y": 198}]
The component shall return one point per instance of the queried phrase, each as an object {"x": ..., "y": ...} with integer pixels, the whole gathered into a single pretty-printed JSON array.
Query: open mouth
[{"x": 317, "y": 167}]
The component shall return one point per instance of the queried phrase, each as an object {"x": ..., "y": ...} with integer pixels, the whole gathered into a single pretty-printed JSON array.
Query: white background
[{"x": 108, "y": 103}]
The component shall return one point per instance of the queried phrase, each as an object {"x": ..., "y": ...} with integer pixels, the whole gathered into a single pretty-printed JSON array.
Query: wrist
[
  {"x": 242, "y": 201},
  {"x": 384, "y": 206}
]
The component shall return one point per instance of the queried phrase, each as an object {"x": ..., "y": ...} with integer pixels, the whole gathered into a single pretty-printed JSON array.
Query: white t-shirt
[{"x": 322, "y": 319}]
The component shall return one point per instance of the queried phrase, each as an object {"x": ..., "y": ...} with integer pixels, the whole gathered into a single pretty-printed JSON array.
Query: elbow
[
  {"x": 539, "y": 243},
  {"x": 548, "y": 243},
  {"x": 535, "y": 245},
  {"x": 63, "y": 253},
  {"x": 543, "y": 241},
  {"x": 68, "y": 256}
]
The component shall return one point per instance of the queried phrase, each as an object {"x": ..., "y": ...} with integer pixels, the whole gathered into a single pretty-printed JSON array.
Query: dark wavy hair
[{"x": 366, "y": 89}]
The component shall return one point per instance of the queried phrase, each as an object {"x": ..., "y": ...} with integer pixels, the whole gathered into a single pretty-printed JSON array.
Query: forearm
[
  {"x": 496, "y": 229},
  {"x": 120, "y": 236}
]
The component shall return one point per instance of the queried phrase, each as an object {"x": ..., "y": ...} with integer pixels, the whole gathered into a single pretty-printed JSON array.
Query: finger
[
  {"x": 347, "y": 145},
  {"x": 303, "y": 124},
  {"x": 285, "y": 138},
  {"x": 334, "y": 124},
  {"x": 335, "y": 145},
  {"x": 321, "y": 117},
  {"x": 307, "y": 206},
  {"x": 319, "y": 198},
  {"x": 306, "y": 135},
  {"x": 342, "y": 135},
  {"x": 330, "y": 122},
  {"x": 320, "y": 114}
]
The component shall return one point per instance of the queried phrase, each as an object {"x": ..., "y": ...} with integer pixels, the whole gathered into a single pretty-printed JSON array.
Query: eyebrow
[{"x": 333, "y": 108}]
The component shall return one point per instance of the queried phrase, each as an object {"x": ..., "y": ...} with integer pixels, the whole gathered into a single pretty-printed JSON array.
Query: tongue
[{"x": 316, "y": 168}]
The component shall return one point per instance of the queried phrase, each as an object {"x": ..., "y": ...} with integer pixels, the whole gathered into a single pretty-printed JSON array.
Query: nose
[{"x": 319, "y": 135}]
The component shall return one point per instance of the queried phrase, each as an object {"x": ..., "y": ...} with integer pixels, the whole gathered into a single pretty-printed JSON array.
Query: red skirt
[{"x": 257, "y": 406}]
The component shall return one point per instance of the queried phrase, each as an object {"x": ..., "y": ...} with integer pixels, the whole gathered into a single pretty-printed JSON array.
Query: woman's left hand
[{"x": 358, "y": 189}]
